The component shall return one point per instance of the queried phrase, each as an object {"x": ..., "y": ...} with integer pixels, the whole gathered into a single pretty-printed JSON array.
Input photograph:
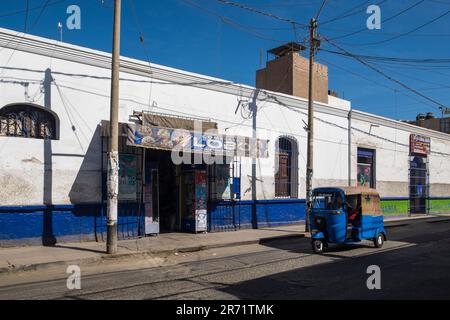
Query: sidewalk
[{"x": 38, "y": 257}]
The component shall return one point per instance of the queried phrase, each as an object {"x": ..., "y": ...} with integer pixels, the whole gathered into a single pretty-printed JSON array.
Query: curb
[
  {"x": 401, "y": 222},
  {"x": 151, "y": 252}
]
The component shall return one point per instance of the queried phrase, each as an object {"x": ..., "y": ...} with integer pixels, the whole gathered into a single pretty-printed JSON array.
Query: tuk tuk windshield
[{"x": 327, "y": 200}]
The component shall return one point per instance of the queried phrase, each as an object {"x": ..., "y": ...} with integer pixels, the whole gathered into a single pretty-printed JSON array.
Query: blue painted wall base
[
  {"x": 46, "y": 225},
  {"x": 229, "y": 215},
  {"x": 37, "y": 225}
]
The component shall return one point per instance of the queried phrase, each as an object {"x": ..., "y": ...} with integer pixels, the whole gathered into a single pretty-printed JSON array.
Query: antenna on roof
[{"x": 60, "y": 28}]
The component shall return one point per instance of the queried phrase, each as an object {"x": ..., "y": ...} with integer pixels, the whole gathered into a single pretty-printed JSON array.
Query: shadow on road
[
  {"x": 303, "y": 245},
  {"x": 418, "y": 269},
  {"x": 411, "y": 273}
]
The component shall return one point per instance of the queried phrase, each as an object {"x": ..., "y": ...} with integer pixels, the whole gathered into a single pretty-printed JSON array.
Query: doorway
[
  {"x": 167, "y": 189},
  {"x": 418, "y": 185}
]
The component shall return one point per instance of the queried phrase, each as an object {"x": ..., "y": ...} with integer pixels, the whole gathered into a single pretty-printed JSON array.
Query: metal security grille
[
  {"x": 283, "y": 175},
  {"x": 419, "y": 185},
  {"x": 224, "y": 212},
  {"x": 27, "y": 121},
  {"x": 366, "y": 168}
]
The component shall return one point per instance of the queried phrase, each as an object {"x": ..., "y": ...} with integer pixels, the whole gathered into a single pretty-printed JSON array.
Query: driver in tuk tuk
[{"x": 339, "y": 203}]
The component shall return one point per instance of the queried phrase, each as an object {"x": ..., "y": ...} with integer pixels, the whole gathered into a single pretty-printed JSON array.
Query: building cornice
[{"x": 378, "y": 120}]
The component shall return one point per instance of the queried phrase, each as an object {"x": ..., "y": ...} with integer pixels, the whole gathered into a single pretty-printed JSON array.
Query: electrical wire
[
  {"x": 70, "y": 117},
  {"x": 405, "y": 33},
  {"x": 232, "y": 23},
  {"x": 390, "y": 59},
  {"x": 383, "y": 21},
  {"x": 408, "y": 106},
  {"x": 14, "y": 13},
  {"x": 267, "y": 14},
  {"x": 396, "y": 143},
  {"x": 439, "y": 85},
  {"x": 416, "y": 78},
  {"x": 27, "y": 11},
  {"x": 142, "y": 42},
  {"x": 280, "y": 4},
  {"x": 369, "y": 31},
  {"x": 40, "y": 13},
  {"x": 321, "y": 9},
  {"x": 356, "y": 74},
  {"x": 350, "y": 12},
  {"x": 384, "y": 74}
]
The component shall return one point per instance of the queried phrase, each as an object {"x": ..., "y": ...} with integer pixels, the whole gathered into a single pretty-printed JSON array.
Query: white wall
[{"x": 80, "y": 97}]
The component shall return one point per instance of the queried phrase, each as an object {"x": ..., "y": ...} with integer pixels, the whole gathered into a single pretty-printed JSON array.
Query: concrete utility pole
[
  {"x": 113, "y": 152},
  {"x": 313, "y": 43},
  {"x": 350, "y": 147}
]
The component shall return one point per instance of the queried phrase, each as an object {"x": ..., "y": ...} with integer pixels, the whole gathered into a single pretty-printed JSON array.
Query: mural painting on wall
[
  {"x": 364, "y": 175},
  {"x": 223, "y": 185},
  {"x": 127, "y": 177},
  {"x": 200, "y": 201}
]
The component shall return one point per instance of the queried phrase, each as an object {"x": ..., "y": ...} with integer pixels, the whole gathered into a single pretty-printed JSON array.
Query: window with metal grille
[
  {"x": 28, "y": 121},
  {"x": 366, "y": 168},
  {"x": 286, "y": 175}
]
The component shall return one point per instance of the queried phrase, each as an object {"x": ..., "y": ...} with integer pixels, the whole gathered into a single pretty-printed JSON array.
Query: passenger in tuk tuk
[{"x": 353, "y": 207}]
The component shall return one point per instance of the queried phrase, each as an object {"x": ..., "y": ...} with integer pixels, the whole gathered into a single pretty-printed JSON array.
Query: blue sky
[{"x": 181, "y": 35}]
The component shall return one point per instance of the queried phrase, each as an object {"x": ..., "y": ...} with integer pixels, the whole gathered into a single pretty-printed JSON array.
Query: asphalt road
[{"x": 414, "y": 264}]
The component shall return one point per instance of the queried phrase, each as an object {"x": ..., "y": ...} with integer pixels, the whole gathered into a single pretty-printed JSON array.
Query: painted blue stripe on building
[{"x": 83, "y": 222}]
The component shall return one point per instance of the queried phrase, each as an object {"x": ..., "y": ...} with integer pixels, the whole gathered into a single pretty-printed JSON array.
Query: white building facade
[{"x": 54, "y": 108}]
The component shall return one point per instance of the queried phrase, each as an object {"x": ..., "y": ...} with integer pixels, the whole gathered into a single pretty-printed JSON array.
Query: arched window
[
  {"x": 28, "y": 121},
  {"x": 286, "y": 175}
]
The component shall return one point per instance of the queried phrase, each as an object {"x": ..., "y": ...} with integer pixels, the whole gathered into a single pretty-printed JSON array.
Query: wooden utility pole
[
  {"x": 310, "y": 147},
  {"x": 113, "y": 152}
]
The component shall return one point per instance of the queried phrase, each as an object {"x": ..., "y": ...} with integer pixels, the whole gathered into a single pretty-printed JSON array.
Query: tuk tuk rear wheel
[
  {"x": 378, "y": 241},
  {"x": 317, "y": 245}
]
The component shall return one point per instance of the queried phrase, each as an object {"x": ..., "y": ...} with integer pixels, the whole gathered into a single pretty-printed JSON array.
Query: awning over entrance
[
  {"x": 161, "y": 121},
  {"x": 164, "y": 121}
]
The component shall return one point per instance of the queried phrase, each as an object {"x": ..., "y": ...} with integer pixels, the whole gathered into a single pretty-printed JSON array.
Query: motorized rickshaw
[{"x": 345, "y": 215}]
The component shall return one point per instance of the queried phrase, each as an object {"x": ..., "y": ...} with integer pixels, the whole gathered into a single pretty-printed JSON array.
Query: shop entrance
[
  {"x": 179, "y": 195},
  {"x": 165, "y": 192}
]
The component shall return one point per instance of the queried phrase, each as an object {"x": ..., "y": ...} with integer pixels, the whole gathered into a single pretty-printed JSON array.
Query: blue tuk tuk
[{"x": 345, "y": 215}]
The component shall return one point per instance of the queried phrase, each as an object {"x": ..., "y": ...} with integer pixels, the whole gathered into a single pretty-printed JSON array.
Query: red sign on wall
[{"x": 419, "y": 144}]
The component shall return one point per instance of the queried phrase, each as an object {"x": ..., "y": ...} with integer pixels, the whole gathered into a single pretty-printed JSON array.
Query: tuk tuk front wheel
[
  {"x": 378, "y": 241},
  {"x": 317, "y": 245}
]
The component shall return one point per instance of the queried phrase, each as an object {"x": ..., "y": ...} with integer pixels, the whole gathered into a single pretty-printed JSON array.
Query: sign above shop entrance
[
  {"x": 191, "y": 141},
  {"x": 419, "y": 145}
]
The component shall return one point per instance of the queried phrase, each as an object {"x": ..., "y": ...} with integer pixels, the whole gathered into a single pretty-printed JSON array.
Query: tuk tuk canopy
[{"x": 370, "y": 199}]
